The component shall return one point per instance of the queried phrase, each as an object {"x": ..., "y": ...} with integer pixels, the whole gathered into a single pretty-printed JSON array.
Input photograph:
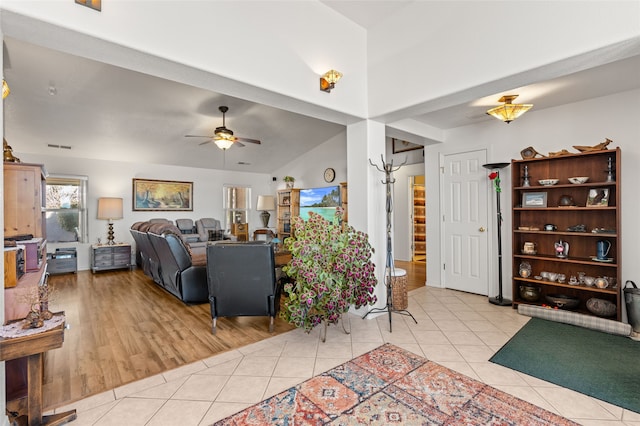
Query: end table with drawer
[{"x": 105, "y": 257}]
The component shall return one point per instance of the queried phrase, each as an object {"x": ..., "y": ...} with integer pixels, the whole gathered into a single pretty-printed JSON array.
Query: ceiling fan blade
[
  {"x": 256, "y": 141},
  {"x": 240, "y": 144},
  {"x": 205, "y": 142},
  {"x": 198, "y": 136}
]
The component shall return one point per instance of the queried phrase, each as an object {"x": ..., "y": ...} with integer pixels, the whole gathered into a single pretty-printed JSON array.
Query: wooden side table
[{"x": 33, "y": 347}]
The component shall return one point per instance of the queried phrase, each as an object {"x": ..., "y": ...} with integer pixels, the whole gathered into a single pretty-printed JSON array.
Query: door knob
[{"x": 481, "y": 229}]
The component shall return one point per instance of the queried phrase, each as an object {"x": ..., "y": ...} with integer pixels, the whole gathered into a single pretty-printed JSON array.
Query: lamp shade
[
  {"x": 109, "y": 208},
  {"x": 223, "y": 143},
  {"x": 266, "y": 202}
]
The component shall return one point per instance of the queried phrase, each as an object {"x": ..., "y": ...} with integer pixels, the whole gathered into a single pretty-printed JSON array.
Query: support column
[{"x": 366, "y": 140}]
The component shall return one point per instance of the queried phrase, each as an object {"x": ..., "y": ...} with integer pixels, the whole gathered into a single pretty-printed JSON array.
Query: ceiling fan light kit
[
  {"x": 509, "y": 111},
  {"x": 223, "y": 144},
  {"x": 223, "y": 137},
  {"x": 329, "y": 79}
]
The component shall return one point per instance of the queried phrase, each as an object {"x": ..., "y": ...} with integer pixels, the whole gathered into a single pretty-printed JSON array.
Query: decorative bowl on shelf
[
  {"x": 563, "y": 302},
  {"x": 530, "y": 293},
  {"x": 548, "y": 182},
  {"x": 579, "y": 179},
  {"x": 602, "y": 282},
  {"x": 601, "y": 307}
]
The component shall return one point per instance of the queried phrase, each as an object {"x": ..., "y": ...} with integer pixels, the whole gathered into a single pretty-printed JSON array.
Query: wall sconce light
[
  {"x": 266, "y": 202},
  {"x": 329, "y": 79},
  {"x": 110, "y": 209},
  {"x": 508, "y": 111},
  {"x": 5, "y": 89}
]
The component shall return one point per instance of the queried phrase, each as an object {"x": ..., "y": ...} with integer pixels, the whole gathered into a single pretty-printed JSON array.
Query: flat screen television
[{"x": 323, "y": 201}]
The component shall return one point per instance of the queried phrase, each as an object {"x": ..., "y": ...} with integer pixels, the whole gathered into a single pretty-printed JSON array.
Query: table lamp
[
  {"x": 266, "y": 202},
  {"x": 110, "y": 209}
]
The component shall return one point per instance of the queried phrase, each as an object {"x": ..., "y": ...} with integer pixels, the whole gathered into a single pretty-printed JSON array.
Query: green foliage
[
  {"x": 68, "y": 221},
  {"x": 331, "y": 269}
]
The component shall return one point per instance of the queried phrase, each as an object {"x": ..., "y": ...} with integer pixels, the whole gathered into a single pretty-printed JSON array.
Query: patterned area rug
[{"x": 392, "y": 386}]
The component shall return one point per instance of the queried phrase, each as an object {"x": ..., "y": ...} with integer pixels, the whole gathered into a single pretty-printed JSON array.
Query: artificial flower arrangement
[
  {"x": 495, "y": 177},
  {"x": 330, "y": 268}
]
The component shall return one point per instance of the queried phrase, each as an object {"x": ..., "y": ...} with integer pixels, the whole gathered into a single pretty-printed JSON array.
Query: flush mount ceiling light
[
  {"x": 329, "y": 79},
  {"x": 508, "y": 111}
]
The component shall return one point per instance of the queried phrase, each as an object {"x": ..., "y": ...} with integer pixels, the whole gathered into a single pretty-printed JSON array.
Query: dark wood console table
[{"x": 33, "y": 347}]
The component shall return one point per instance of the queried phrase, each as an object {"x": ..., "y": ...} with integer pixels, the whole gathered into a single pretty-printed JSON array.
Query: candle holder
[
  {"x": 525, "y": 176},
  {"x": 610, "y": 177}
]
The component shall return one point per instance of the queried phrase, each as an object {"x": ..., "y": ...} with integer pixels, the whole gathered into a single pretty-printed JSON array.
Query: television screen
[{"x": 323, "y": 201}]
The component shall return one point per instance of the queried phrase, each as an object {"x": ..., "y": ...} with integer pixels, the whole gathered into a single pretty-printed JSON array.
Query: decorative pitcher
[
  {"x": 602, "y": 249},
  {"x": 562, "y": 249}
]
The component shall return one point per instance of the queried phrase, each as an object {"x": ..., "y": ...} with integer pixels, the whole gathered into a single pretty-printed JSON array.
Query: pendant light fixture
[{"x": 509, "y": 111}]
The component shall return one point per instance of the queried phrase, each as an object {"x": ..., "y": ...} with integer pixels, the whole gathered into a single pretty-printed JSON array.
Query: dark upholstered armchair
[
  {"x": 179, "y": 276},
  {"x": 242, "y": 280}
]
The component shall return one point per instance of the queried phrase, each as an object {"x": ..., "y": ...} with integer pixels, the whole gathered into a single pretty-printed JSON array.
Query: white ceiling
[{"x": 110, "y": 113}]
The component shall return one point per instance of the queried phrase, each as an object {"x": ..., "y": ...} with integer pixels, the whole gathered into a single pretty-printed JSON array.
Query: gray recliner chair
[
  {"x": 242, "y": 280},
  {"x": 188, "y": 230},
  {"x": 204, "y": 225}
]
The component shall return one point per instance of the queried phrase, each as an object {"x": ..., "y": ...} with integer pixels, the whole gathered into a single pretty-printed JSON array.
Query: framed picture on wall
[
  {"x": 399, "y": 145},
  {"x": 162, "y": 195}
]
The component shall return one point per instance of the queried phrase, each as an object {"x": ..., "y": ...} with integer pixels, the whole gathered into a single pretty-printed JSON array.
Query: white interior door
[{"x": 464, "y": 210}]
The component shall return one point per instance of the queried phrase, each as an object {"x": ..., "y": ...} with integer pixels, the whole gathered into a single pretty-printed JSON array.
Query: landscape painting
[
  {"x": 162, "y": 195},
  {"x": 323, "y": 201}
]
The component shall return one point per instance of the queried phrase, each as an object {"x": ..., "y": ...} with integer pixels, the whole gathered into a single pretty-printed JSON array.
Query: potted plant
[
  {"x": 331, "y": 269},
  {"x": 289, "y": 181}
]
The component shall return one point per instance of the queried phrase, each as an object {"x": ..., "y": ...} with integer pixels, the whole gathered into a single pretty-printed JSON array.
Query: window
[
  {"x": 66, "y": 208},
  {"x": 237, "y": 203}
]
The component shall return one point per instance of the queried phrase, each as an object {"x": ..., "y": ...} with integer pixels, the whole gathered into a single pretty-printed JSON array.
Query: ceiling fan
[{"x": 224, "y": 137}]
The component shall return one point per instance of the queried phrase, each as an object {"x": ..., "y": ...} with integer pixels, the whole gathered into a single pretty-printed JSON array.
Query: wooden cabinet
[
  {"x": 107, "y": 257},
  {"x": 344, "y": 201},
  {"x": 24, "y": 214},
  {"x": 288, "y": 207},
  {"x": 577, "y": 219},
  {"x": 419, "y": 220},
  {"x": 24, "y": 202}
]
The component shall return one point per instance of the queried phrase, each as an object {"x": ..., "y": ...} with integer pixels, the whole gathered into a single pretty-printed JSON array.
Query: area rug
[
  {"x": 390, "y": 385},
  {"x": 601, "y": 365}
]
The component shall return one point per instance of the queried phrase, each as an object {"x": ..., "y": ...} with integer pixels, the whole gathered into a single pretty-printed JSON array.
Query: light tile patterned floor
[{"x": 458, "y": 330}]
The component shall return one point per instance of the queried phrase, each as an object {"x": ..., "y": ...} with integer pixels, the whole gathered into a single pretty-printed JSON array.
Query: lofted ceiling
[{"x": 61, "y": 103}]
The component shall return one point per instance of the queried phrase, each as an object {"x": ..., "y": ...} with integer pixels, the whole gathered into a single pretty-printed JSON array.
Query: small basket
[{"x": 399, "y": 298}]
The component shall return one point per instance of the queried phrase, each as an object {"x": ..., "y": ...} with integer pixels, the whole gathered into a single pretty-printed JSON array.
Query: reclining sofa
[{"x": 166, "y": 259}]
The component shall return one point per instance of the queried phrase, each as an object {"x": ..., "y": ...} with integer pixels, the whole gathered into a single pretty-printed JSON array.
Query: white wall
[
  {"x": 549, "y": 130},
  {"x": 429, "y": 50},
  {"x": 308, "y": 169},
  {"x": 114, "y": 179},
  {"x": 271, "y": 52}
]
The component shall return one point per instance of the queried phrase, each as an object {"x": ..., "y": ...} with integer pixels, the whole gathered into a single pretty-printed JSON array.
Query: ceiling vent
[{"x": 50, "y": 145}]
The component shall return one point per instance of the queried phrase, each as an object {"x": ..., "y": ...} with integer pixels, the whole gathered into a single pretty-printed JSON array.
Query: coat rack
[
  {"x": 498, "y": 300},
  {"x": 388, "y": 169}
]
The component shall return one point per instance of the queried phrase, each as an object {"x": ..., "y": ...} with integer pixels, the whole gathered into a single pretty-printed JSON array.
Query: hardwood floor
[{"x": 124, "y": 328}]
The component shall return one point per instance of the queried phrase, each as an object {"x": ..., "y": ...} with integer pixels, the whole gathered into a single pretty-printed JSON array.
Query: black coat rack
[
  {"x": 388, "y": 169},
  {"x": 498, "y": 300}
]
